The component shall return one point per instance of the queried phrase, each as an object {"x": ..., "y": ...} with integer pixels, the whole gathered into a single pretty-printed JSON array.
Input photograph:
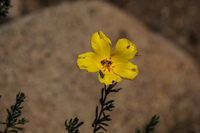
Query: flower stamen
[{"x": 106, "y": 64}]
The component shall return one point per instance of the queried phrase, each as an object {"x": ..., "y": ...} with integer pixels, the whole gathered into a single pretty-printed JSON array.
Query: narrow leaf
[
  {"x": 97, "y": 129},
  {"x": 19, "y": 128},
  {"x": 101, "y": 101},
  {"x": 75, "y": 121},
  {"x": 137, "y": 130},
  {"x": 8, "y": 112},
  {"x": 66, "y": 123},
  {"x": 81, "y": 123},
  {"x": 116, "y": 90},
  {"x": 97, "y": 112},
  {"x": 103, "y": 128},
  {"x": 105, "y": 124},
  {"x": 17, "y": 115},
  {"x": 102, "y": 93},
  {"x": 3, "y": 123},
  {"x": 21, "y": 107},
  {"x": 111, "y": 101},
  {"x": 12, "y": 131}
]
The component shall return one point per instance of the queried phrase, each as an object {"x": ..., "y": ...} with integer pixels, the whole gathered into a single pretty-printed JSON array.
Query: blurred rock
[
  {"x": 15, "y": 10},
  {"x": 38, "y": 57},
  {"x": 175, "y": 19}
]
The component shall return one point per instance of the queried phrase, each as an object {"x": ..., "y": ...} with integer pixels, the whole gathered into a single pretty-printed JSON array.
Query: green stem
[
  {"x": 102, "y": 106},
  {"x": 106, "y": 92},
  {"x": 8, "y": 124},
  {"x": 10, "y": 117}
]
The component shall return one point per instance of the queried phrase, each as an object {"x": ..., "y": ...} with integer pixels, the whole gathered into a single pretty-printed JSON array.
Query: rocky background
[
  {"x": 39, "y": 44},
  {"x": 176, "y": 20}
]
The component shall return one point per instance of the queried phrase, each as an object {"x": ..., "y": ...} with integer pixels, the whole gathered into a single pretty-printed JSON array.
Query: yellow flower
[{"x": 109, "y": 65}]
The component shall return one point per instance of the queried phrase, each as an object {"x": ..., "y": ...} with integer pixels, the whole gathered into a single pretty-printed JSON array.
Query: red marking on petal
[{"x": 128, "y": 47}]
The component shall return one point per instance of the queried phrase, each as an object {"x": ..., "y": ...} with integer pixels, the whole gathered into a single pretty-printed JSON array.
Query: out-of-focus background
[
  {"x": 176, "y": 20},
  {"x": 40, "y": 41}
]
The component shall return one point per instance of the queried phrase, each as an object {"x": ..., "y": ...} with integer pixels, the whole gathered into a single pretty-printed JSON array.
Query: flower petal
[
  {"x": 107, "y": 79},
  {"x": 101, "y": 45},
  {"x": 124, "y": 50},
  {"x": 88, "y": 61},
  {"x": 126, "y": 70}
]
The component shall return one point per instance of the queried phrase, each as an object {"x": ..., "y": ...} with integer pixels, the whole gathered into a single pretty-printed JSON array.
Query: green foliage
[
  {"x": 149, "y": 127},
  {"x": 13, "y": 115},
  {"x": 100, "y": 117},
  {"x": 4, "y": 6},
  {"x": 73, "y": 125}
]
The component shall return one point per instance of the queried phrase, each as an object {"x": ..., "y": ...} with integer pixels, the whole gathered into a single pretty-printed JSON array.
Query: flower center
[{"x": 106, "y": 64}]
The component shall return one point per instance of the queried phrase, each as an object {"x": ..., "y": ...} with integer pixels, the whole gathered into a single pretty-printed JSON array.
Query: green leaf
[
  {"x": 72, "y": 125},
  {"x": 105, "y": 124},
  {"x": 21, "y": 107},
  {"x": 97, "y": 129},
  {"x": 103, "y": 128},
  {"x": 112, "y": 86},
  {"x": 96, "y": 112},
  {"x": 16, "y": 116},
  {"x": 116, "y": 90},
  {"x": 101, "y": 101},
  {"x": 109, "y": 107},
  {"x": 75, "y": 121},
  {"x": 101, "y": 116},
  {"x": 3, "y": 123},
  {"x": 111, "y": 101},
  {"x": 12, "y": 131},
  {"x": 8, "y": 112},
  {"x": 105, "y": 118},
  {"x": 19, "y": 128},
  {"x": 149, "y": 127},
  {"x": 70, "y": 120},
  {"x": 81, "y": 123},
  {"x": 14, "y": 127},
  {"x": 66, "y": 123},
  {"x": 102, "y": 93},
  {"x": 137, "y": 130}
]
